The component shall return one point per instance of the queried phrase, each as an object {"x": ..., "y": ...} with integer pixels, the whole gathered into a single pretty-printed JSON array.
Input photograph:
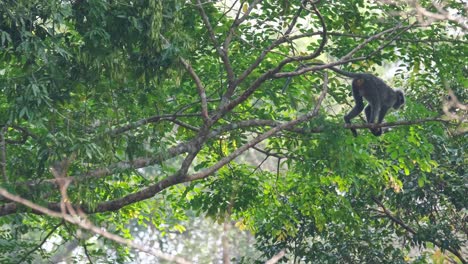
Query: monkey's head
[{"x": 400, "y": 99}]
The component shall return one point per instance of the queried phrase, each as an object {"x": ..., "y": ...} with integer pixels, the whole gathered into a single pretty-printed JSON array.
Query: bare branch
[
  {"x": 393, "y": 218},
  {"x": 441, "y": 14},
  {"x": 281, "y": 40},
  {"x": 276, "y": 257},
  {"x": 368, "y": 40},
  {"x": 84, "y": 223},
  {"x": 239, "y": 21},
  {"x": 200, "y": 88},
  {"x": 390, "y": 40},
  {"x": 319, "y": 50}
]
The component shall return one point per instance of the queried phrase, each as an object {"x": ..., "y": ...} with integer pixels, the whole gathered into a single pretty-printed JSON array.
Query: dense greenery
[{"x": 162, "y": 113}]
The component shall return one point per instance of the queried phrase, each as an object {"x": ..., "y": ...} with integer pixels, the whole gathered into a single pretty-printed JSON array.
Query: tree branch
[
  {"x": 343, "y": 60},
  {"x": 222, "y": 53},
  {"x": 237, "y": 21},
  {"x": 177, "y": 177},
  {"x": 200, "y": 88},
  {"x": 276, "y": 257},
  {"x": 319, "y": 50},
  {"x": 413, "y": 232},
  {"x": 205, "y": 173},
  {"x": 3, "y": 159},
  {"x": 267, "y": 50},
  {"x": 148, "y": 120},
  {"x": 40, "y": 244},
  {"x": 185, "y": 147},
  {"x": 84, "y": 223},
  {"x": 397, "y": 123}
]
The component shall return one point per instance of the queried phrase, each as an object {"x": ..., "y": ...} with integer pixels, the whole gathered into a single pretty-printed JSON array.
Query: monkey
[{"x": 379, "y": 96}]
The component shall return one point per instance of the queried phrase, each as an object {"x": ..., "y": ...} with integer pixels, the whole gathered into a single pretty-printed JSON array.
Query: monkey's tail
[
  {"x": 345, "y": 73},
  {"x": 339, "y": 71}
]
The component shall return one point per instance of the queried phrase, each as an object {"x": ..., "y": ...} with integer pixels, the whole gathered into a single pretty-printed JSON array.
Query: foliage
[{"x": 168, "y": 111}]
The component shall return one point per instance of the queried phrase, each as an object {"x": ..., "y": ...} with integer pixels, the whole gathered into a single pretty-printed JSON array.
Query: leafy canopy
[{"x": 164, "y": 111}]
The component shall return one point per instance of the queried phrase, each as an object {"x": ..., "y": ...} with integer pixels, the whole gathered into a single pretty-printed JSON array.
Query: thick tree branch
[
  {"x": 185, "y": 147},
  {"x": 205, "y": 173}
]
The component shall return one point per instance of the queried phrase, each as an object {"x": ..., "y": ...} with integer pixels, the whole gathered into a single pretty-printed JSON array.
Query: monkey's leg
[
  {"x": 382, "y": 114},
  {"x": 368, "y": 112},
  {"x": 357, "y": 109}
]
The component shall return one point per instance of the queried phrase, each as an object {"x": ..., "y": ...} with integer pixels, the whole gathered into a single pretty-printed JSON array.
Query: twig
[
  {"x": 237, "y": 21},
  {"x": 148, "y": 120},
  {"x": 40, "y": 244},
  {"x": 267, "y": 50},
  {"x": 3, "y": 160},
  {"x": 441, "y": 15},
  {"x": 200, "y": 88},
  {"x": 410, "y": 230},
  {"x": 222, "y": 53},
  {"x": 319, "y": 50},
  {"x": 367, "y": 41},
  {"x": 343, "y": 60}
]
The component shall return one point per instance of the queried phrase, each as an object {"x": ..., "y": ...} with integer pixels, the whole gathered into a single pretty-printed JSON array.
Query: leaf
[{"x": 245, "y": 7}]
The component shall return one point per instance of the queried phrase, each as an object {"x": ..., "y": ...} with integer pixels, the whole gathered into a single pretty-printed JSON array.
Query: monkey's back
[{"x": 371, "y": 88}]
